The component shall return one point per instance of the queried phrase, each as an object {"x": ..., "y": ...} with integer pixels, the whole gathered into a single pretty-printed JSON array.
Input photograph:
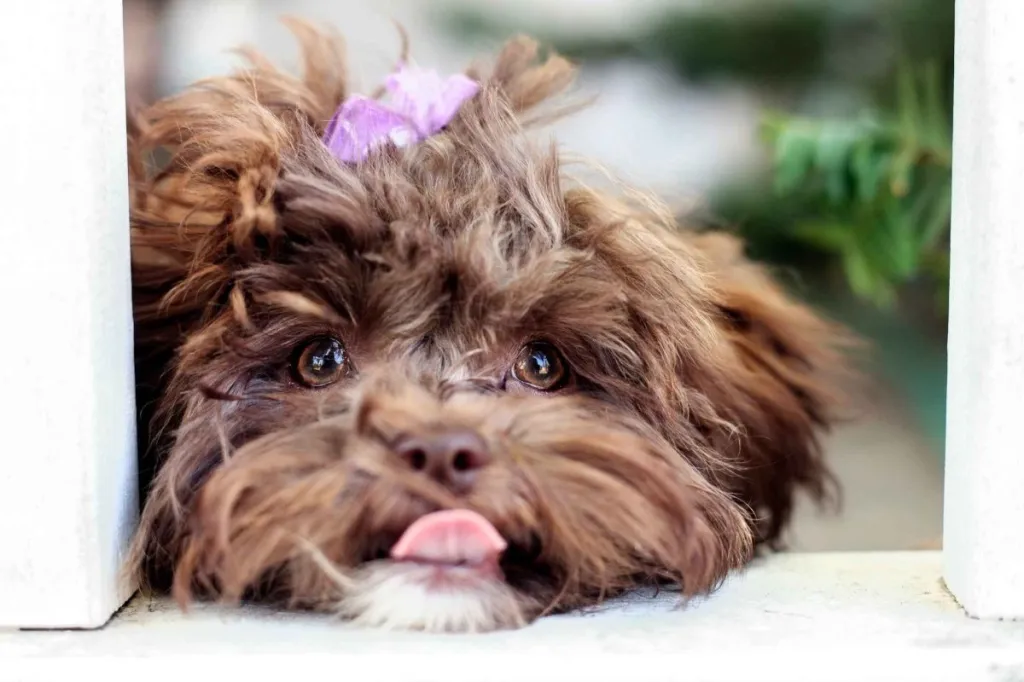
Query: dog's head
[{"x": 442, "y": 388}]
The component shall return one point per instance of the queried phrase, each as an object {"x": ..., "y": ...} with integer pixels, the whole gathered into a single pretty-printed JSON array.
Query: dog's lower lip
[
  {"x": 447, "y": 573},
  {"x": 481, "y": 565}
]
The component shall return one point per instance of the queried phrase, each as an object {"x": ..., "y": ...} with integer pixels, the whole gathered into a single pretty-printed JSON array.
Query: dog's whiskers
[{"x": 329, "y": 569}]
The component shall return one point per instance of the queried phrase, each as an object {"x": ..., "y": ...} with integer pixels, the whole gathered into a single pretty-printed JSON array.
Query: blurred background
[{"x": 819, "y": 130}]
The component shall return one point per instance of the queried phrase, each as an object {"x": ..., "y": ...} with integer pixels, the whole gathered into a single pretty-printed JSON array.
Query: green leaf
[
  {"x": 834, "y": 147},
  {"x": 864, "y": 281},
  {"x": 897, "y": 237},
  {"x": 901, "y": 171},
  {"x": 937, "y": 224},
  {"x": 869, "y": 165},
  {"x": 794, "y": 156},
  {"x": 929, "y": 209},
  {"x": 907, "y": 104},
  {"x": 937, "y": 128},
  {"x": 827, "y": 236}
]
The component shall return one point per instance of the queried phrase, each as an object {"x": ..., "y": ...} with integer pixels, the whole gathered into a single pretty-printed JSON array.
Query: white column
[
  {"x": 984, "y": 489},
  {"x": 68, "y": 487}
]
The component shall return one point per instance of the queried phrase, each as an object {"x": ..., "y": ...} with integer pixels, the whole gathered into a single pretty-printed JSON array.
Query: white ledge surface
[{"x": 820, "y": 617}]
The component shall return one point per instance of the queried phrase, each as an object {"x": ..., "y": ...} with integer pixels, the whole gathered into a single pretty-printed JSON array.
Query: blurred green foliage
[
  {"x": 881, "y": 185},
  {"x": 693, "y": 45},
  {"x": 861, "y": 187}
]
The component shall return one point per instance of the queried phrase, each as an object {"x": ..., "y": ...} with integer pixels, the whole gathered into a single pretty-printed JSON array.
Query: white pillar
[
  {"x": 68, "y": 487},
  {"x": 984, "y": 489}
]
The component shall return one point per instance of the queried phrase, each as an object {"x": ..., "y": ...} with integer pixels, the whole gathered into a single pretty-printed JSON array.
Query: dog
[{"x": 430, "y": 382}]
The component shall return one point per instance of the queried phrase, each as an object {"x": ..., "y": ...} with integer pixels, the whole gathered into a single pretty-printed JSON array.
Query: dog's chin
[{"x": 432, "y": 597}]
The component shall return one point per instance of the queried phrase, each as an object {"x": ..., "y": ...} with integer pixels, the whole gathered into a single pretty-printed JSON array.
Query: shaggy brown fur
[{"x": 688, "y": 421}]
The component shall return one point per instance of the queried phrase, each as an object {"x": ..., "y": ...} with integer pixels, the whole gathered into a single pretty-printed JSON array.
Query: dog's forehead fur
[
  {"x": 463, "y": 243},
  {"x": 459, "y": 241}
]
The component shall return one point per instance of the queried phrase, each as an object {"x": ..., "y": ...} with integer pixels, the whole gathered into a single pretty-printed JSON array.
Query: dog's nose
[{"x": 452, "y": 458}]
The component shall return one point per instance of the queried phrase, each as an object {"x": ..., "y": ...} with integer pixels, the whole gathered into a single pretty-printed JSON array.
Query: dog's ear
[
  {"x": 784, "y": 383},
  {"x": 203, "y": 165},
  {"x": 739, "y": 375}
]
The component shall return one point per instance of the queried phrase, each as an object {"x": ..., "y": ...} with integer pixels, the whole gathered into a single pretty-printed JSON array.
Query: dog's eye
[
  {"x": 321, "y": 361},
  {"x": 540, "y": 366}
]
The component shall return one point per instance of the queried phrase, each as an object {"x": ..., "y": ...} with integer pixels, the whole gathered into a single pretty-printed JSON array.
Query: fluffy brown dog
[{"x": 338, "y": 353}]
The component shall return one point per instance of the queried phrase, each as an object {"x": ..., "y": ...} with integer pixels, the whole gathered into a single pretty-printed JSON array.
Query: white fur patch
[{"x": 409, "y": 596}]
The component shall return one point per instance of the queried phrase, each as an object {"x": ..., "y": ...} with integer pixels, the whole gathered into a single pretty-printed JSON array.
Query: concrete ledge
[{"x": 820, "y": 617}]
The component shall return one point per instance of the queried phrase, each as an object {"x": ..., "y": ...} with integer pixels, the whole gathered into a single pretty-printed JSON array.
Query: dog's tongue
[{"x": 455, "y": 536}]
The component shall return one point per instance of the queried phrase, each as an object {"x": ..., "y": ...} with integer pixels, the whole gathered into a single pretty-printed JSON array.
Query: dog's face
[{"x": 441, "y": 388}]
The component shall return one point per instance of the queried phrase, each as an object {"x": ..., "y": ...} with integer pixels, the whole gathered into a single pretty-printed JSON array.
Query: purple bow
[{"x": 422, "y": 104}]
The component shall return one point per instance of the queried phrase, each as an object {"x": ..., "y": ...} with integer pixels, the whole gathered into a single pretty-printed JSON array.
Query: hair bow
[{"x": 422, "y": 103}]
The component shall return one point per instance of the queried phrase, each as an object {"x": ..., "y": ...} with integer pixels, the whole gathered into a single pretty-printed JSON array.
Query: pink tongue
[{"x": 453, "y": 536}]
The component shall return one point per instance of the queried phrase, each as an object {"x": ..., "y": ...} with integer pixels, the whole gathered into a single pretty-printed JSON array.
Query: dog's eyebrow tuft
[{"x": 299, "y": 304}]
